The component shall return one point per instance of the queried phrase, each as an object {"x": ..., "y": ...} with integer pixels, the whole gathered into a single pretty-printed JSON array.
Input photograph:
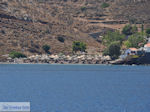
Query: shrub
[
  {"x": 132, "y": 20},
  {"x": 46, "y": 48},
  {"x": 32, "y": 50},
  {"x": 105, "y": 5},
  {"x": 15, "y": 54},
  {"x": 83, "y": 8},
  {"x": 105, "y": 52},
  {"x": 111, "y": 37},
  {"x": 148, "y": 31},
  {"x": 61, "y": 39},
  {"x": 142, "y": 28},
  {"x": 79, "y": 46},
  {"x": 129, "y": 30},
  {"x": 113, "y": 50},
  {"x": 47, "y": 31},
  {"x": 2, "y": 31}
]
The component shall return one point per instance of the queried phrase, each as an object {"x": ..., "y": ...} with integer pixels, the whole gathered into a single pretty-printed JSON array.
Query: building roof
[
  {"x": 133, "y": 49},
  {"x": 147, "y": 45}
]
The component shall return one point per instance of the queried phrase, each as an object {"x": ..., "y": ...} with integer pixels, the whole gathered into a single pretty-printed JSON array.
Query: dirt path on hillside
[{"x": 106, "y": 23}]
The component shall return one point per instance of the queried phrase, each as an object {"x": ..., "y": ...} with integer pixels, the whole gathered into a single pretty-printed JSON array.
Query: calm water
[{"x": 77, "y": 88}]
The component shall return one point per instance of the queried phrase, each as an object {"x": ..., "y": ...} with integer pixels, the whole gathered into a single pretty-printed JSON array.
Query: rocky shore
[{"x": 59, "y": 59}]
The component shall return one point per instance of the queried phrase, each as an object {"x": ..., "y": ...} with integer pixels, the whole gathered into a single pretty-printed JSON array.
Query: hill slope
[{"x": 26, "y": 25}]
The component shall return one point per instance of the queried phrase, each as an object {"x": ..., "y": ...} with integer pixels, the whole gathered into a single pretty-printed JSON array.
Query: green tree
[
  {"x": 111, "y": 37},
  {"x": 129, "y": 29},
  {"x": 136, "y": 40},
  {"x": 78, "y": 46},
  {"x": 15, "y": 54},
  {"x": 127, "y": 44},
  {"x": 113, "y": 50},
  {"x": 46, "y": 48}
]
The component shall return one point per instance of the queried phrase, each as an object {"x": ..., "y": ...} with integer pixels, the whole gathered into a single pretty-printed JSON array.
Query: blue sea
[{"x": 77, "y": 88}]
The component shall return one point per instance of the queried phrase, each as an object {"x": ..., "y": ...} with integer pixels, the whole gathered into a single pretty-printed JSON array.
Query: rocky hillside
[{"x": 26, "y": 25}]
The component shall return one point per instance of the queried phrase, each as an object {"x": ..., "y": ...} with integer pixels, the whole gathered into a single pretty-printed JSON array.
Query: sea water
[{"x": 77, "y": 88}]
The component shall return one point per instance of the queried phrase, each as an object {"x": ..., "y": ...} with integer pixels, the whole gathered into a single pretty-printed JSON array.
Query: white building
[
  {"x": 130, "y": 51},
  {"x": 147, "y": 47},
  {"x": 148, "y": 39}
]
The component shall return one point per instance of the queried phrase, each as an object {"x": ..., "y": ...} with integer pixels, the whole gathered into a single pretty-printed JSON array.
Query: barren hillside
[{"x": 26, "y": 25}]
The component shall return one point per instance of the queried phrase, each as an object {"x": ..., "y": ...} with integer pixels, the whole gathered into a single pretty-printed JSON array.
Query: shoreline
[
  {"x": 1, "y": 63},
  {"x": 80, "y": 59},
  {"x": 59, "y": 59},
  {"x": 59, "y": 63}
]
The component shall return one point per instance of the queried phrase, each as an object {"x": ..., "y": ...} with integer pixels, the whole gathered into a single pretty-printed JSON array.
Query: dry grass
[{"x": 26, "y": 25}]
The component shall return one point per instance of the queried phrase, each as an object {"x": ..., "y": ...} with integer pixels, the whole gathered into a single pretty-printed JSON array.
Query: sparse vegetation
[
  {"x": 111, "y": 37},
  {"x": 42, "y": 20},
  {"x": 15, "y": 54},
  {"x": 79, "y": 46},
  {"x": 46, "y": 48}
]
